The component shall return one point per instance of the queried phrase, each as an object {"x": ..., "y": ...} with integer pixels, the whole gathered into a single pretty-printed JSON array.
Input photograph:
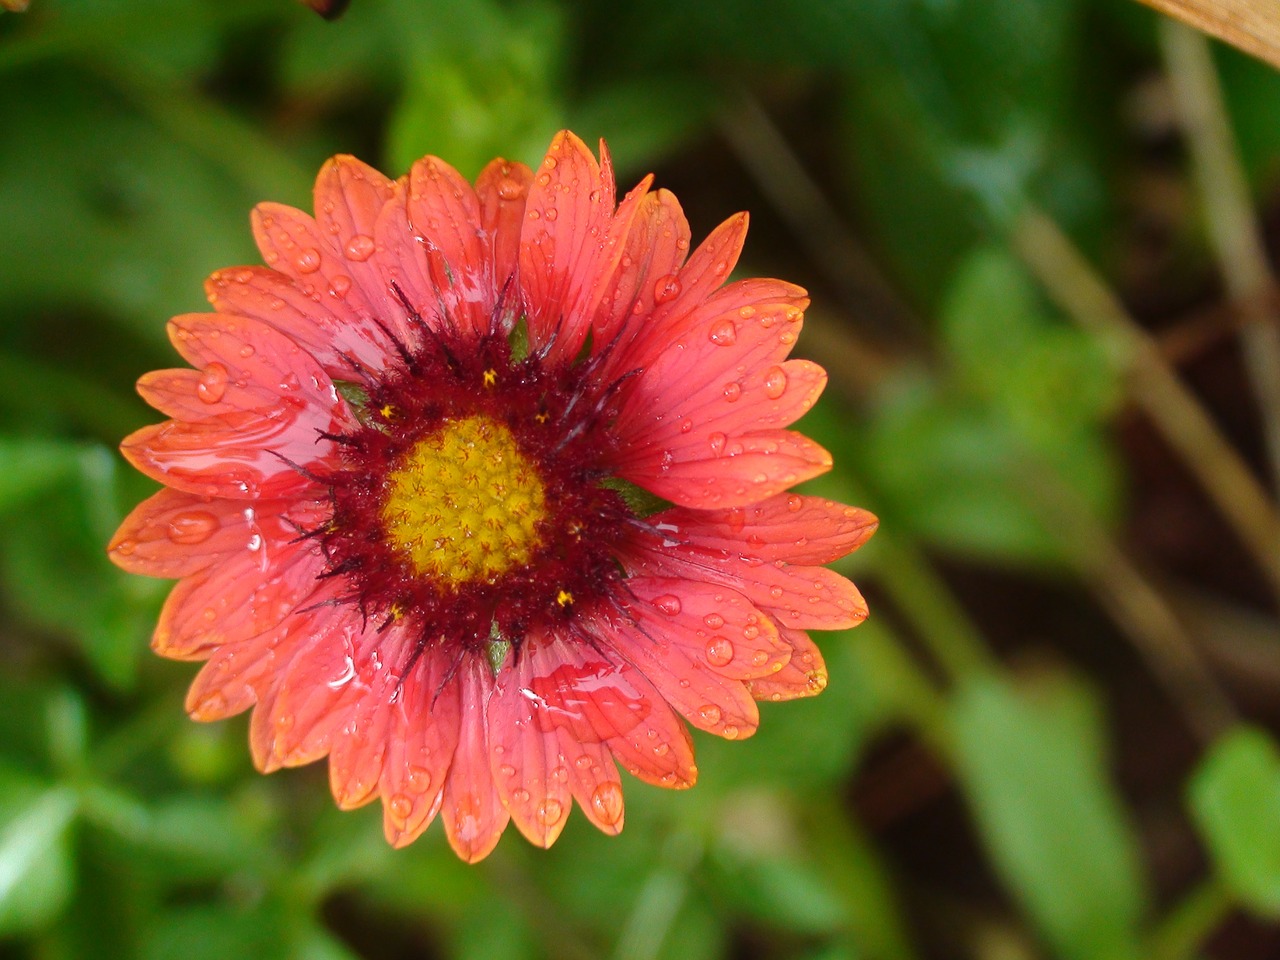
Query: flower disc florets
[
  {"x": 469, "y": 500},
  {"x": 482, "y": 492}
]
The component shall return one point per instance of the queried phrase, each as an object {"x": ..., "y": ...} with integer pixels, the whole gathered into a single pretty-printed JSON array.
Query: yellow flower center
[{"x": 464, "y": 504}]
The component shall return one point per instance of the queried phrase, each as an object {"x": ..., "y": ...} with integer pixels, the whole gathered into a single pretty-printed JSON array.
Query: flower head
[{"x": 480, "y": 490}]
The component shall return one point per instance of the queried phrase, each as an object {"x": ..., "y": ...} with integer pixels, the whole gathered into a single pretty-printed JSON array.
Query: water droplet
[
  {"x": 419, "y": 780},
  {"x": 584, "y": 762},
  {"x": 668, "y": 603},
  {"x": 290, "y": 382},
  {"x": 550, "y": 811},
  {"x": 713, "y": 620},
  {"x": 775, "y": 592},
  {"x": 246, "y": 351},
  {"x": 191, "y": 527},
  {"x": 213, "y": 383},
  {"x": 686, "y": 425},
  {"x": 401, "y": 806},
  {"x": 732, "y": 391},
  {"x": 520, "y": 796},
  {"x": 340, "y": 286},
  {"x": 719, "y": 652},
  {"x": 606, "y": 802},
  {"x": 666, "y": 289},
  {"x": 747, "y": 312},
  {"x": 775, "y": 382},
  {"x": 360, "y": 248},
  {"x": 509, "y": 189},
  {"x": 794, "y": 503},
  {"x": 308, "y": 260},
  {"x": 723, "y": 333},
  {"x": 549, "y": 162},
  {"x": 710, "y": 714},
  {"x": 551, "y": 213},
  {"x": 661, "y": 750},
  {"x": 507, "y": 770},
  {"x": 717, "y": 441},
  {"x": 126, "y": 547},
  {"x": 730, "y": 732}
]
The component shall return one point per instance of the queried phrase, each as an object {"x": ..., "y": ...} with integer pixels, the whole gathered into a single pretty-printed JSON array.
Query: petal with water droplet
[{"x": 473, "y": 815}]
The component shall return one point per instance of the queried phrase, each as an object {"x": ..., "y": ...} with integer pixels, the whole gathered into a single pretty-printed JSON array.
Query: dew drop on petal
[
  {"x": 308, "y": 260},
  {"x": 246, "y": 351},
  {"x": 732, "y": 391},
  {"x": 550, "y": 811},
  {"x": 723, "y": 333},
  {"x": 730, "y": 732},
  {"x": 520, "y": 795},
  {"x": 360, "y": 248},
  {"x": 509, "y": 189},
  {"x": 419, "y": 779},
  {"x": 794, "y": 503},
  {"x": 340, "y": 286},
  {"x": 668, "y": 603},
  {"x": 775, "y": 383},
  {"x": 213, "y": 383},
  {"x": 606, "y": 802},
  {"x": 719, "y": 652},
  {"x": 713, "y": 620},
  {"x": 401, "y": 806},
  {"x": 666, "y": 289},
  {"x": 192, "y": 527},
  {"x": 710, "y": 714},
  {"x": 717, "y": 441},
  {"x": 126, "y": 547}
]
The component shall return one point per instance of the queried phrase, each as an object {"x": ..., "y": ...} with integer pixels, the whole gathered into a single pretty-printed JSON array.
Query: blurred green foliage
[{"x": 136, "y": 135}]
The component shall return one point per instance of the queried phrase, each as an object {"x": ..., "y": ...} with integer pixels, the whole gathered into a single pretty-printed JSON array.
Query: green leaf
[
  {"x": 35, "y": 860},
  {"x": 1035, "y": 778},
  {"x": 482, "y": 82},
  {"x": 1235, "y": 799},
  {"x": 43, "y": 552}
]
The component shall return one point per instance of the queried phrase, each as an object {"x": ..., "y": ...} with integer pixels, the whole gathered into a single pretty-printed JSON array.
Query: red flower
[{"x": 415, "y": 494}]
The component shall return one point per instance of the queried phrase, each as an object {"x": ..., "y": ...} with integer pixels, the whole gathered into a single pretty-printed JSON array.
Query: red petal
[
  {"x": 175, "y": 534},
  {"x": 570, "y": 243},
  {"x": 474, "y": 818},
  {"x": 445, "y": 214},
  {"x": 669, "y": 323},
  {"x": 349, "y": 195},
  {"x": 800, "y": 596},
  {"x": 644, "y": 633},
  {"x": 240, "y": 674},
  {"x": 422, "y": 737},
  {"x": 790, "y": 527},
  {"x": 240, "y": 598},
  {"x": 531, "y": 774},
  {"x": 320, "y": 320},
  {"x": 588, "y": 697},
  {"x": 805, "y": 675},
  {"x": 655, "y": 248},
  {"x": 714, "y": 627},
  {"x": 502, "y": 189},
  {"x": 266, "y": 400},
  {"x": 753, "y": 466},
  {"x": 403, "y": 266},
  {"x": 594, "y": 782}
]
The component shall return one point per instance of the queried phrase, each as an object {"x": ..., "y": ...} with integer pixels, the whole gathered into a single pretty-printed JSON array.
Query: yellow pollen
[
  {"x": 388, "y": 412},
  {"x": 542, "y": 417},
  {"x": 564, "y": 598},
  {"x": 464, "y": 504},
  {"x": 490, "y": 377}
]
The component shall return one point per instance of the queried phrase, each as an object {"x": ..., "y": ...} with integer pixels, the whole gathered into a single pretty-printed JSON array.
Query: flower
[{"x": 479, "y": 490}]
